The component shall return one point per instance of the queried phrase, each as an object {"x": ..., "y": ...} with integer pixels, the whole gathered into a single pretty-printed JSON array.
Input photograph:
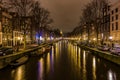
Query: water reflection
[
  {"x": 84, "y": 65},
  {"x": 19, "y": 73},
  {"x": 64, "y": 62},
  {"x": 79, "y": 58},
  {"x": 40, "y": 69},
  {"x": 52, "y": 59},
  {"x": 94, "y": 68},
  {"x": 111, "y": 75},
  {"x": 48, "y": 62},
  {"x": 56, "y": 51}
]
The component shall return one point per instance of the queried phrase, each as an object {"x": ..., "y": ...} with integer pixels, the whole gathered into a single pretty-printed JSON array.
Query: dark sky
[{"x": 65, "y": 13}]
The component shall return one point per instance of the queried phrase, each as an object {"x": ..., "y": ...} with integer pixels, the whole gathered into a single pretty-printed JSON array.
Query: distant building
[{"x": 115, "y": 21}]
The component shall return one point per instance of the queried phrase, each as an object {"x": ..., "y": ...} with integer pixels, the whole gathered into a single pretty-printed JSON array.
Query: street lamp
[
  {"x": 94, "y": 39},
  {"x": 110, "y": 37}
]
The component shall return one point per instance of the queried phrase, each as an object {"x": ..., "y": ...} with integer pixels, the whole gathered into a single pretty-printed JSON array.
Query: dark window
[
  {"x": 116, "y": 10},
  {"x": 112, "y": 26},
  {"x": 116, "y": 25},
  {"x": 112, "y": 18},
  {"x": 112, "y": 12},
  {"x": 116, "y": 17},
  {"x": 108, "y": 8}
]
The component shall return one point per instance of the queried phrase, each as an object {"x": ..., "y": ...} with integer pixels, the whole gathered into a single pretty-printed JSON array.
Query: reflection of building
[
  {"x": 115, "y": 21},
  {"x": 5, "y": 27}
]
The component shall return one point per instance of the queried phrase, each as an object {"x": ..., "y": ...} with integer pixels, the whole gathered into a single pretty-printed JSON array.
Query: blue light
[{"x": 37, "y": 37}]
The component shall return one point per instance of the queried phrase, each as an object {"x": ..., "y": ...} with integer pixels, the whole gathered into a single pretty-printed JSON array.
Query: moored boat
[
  {"x": 19, "y": 61},
  {"x": 47, "y": 48}
]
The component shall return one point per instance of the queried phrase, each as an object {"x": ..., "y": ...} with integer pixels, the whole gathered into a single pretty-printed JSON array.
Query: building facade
[
  {"x": 5, "y": 27},
  {"x": 104, "y": 30},
  {"x": 115, "y": 22},
  {"x": 11, "y": 32}
]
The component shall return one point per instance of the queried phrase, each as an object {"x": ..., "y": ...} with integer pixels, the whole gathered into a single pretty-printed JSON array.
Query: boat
[
  {"x": 47, "y": 48},
  {"x": 42, "y": 50},
  {"x": 19, "y": 61}
]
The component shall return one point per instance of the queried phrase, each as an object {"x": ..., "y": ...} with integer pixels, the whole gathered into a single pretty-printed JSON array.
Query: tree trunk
[{"x": 24, "y": 37}]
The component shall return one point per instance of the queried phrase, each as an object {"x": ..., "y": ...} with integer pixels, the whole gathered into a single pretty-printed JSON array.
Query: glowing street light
[
  {"x": 94, "y": 39},
  {"x": 110, "y": 37}
]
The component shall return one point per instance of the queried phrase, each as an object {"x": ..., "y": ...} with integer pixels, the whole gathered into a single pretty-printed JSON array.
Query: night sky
[{"x": 66, "y": 13}]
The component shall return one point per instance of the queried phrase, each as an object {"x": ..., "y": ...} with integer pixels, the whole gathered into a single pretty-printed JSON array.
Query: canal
[{"x": 63, "y": 62}]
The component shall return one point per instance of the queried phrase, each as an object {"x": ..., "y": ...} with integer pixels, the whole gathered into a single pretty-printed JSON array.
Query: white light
[
  {"x": 41, "y": 38},
  {"x": 94, "y": 39},
  {"x": 5, "y": 39},
  {"x": 52, "y": 38},
  {"x": 110, "y": 37},
  {"x": 111, "y": 75},
  {"x": 18, "y": 38}
]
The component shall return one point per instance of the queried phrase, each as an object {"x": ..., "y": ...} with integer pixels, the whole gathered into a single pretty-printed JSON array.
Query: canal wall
[{"x": 106, "y": 55}]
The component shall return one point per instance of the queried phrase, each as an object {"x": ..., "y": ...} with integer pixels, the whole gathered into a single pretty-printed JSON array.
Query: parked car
[
  {"x": 103, "y": 48},
  {"x": 5, "y": 51},
  {"x": 115, "y": 50}
]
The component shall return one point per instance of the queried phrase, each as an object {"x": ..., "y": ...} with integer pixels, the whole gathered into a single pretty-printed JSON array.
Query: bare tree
[
  {"x": 23, "y": 9},
  {"x": 88, "y": 19},
  {"x": 92, "y": 14},
  {"x": 40, "y": 19},
  {"x": 97, "y": 6}
]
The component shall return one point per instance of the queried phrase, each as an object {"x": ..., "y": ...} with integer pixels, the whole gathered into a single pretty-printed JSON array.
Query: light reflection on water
[
  {"x": 40, "y": 69},
  {"x": 94, "y": 68},
  {"x": 111, "y": 75},
  {"x": 19, "y": 73},
  {"x": 84, "y": 65}
]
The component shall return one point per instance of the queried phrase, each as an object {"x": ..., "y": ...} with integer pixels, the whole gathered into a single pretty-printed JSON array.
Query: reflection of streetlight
[{"x": 111, "y": 75}]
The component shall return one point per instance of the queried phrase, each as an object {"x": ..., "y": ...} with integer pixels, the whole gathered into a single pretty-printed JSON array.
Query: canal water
[{"x": 64, "y": 62}]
